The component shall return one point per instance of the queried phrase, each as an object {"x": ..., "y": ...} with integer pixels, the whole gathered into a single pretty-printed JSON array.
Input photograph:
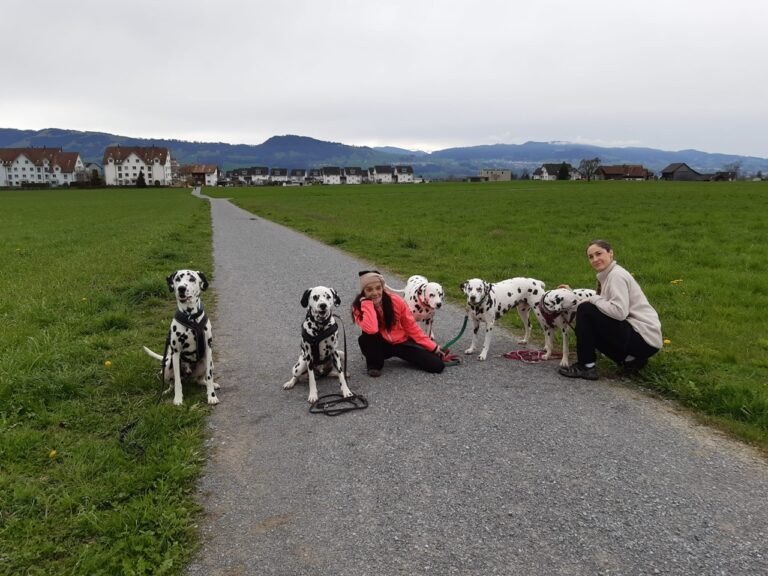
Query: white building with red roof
[
  {"x": 39, "y": 167},
  {"x": 123, "y": 164}
]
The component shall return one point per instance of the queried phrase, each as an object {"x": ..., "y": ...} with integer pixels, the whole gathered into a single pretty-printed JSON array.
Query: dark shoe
[
  {"x": 373, "y": 373},
  {"x": 579, "y": 371},
  {"x": 633, "y": 366}
]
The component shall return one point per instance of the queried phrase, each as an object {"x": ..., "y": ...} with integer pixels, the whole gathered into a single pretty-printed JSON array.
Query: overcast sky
[{"x": 418, "y": 74}]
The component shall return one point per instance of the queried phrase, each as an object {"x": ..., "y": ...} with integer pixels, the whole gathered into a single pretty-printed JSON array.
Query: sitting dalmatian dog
[
  {"x": 189, "y": 345},
  {"x": 557, "y": 310},
  {"x": 424, "y": 298},
  {"x": 487, "y": 302},
  {"x": 319, "y": 342}
]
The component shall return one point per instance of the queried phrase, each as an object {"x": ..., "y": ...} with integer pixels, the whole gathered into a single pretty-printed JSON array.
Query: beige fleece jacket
[{"x": 622, "y": 298}]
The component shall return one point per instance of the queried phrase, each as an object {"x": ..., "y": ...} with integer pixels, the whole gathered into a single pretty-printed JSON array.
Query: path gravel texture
[{"x": 495, "y": 467}]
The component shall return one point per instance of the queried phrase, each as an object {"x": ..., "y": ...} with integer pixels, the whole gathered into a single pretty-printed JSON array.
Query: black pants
[
  {"x": 376, "y": 350},
  {"x": 614, "y": 338}
]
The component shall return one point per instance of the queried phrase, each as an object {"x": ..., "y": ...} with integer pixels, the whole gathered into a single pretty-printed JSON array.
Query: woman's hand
[{"x": 564, "y": 286}]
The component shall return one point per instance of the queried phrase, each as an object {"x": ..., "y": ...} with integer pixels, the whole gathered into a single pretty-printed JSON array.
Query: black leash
[{"x": 335, "y": 404}]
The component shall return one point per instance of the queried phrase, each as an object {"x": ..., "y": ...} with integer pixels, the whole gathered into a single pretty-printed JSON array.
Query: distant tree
[
  {"x": 140, "y": 181},
  {"x": 733, "y": 169},
  {"x": 525, "y": 175},
  {"x": 759, "y": 174},
  {"x": 563, "y": 173},
  {"x": 588, "y": 168}
]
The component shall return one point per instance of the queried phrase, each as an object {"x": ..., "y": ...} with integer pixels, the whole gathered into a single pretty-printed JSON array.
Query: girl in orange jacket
[{"x": 389, "y": 328}]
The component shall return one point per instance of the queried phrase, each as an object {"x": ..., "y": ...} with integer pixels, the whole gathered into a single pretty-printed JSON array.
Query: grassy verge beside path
[
  {"x": 697, "y": 249},
  {"x": 83, "y": 287}
]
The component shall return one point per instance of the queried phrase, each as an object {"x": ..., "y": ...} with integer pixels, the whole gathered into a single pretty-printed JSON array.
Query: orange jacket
[{"x": 404, "y": 326}]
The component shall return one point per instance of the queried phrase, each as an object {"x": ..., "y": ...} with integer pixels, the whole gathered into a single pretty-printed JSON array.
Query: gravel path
[{"x": 493, "y": 467}]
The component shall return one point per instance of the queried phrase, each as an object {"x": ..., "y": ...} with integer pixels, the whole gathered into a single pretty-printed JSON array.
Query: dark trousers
[
  {"x": 614, "y": 338},
  {"x": 376, "y": 350}
]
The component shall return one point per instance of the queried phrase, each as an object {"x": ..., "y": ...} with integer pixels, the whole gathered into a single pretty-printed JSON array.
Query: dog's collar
[{"x": 195, "y": 322}]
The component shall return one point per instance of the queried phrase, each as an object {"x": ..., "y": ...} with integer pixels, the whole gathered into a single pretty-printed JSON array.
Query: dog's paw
[
  {"x": 213, "y": 399},
  {"x": 547, "y": 355},
  {"x": 288, "y": 385},
  {"x": 346, "y": 392},
  {"x": 469, "y": 351},
  {"x": 564, "y": 363},
  {"x": 312, "y": 398},
  {"x": 483, "y": 355},
  {"x": 177, "y": 401},
  {"x": 522, "y": 341}
]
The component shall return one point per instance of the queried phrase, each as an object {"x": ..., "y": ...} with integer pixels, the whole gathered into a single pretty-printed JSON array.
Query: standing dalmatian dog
[
  {"x": 424, "y": 298},
  {"x": 557, "y": 310},
  {"x": 189, "y": 345},
  {"x": 487, "y": 302},
  {"x": 319, "y": 341}
]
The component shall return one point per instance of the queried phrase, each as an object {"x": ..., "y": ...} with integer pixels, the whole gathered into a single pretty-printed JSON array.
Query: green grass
[
  {"x": 708, "y": 236},
  {"x": 83, "y": 287}
]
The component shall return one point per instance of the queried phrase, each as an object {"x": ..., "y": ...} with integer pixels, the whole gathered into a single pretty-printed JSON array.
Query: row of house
[
  {"x": 129, "y": 165},
  {"x": 262, "y": 175},
  {"x": 678, "y": 171}
]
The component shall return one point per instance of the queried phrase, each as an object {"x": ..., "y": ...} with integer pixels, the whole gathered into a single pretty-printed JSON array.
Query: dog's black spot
[
  {"x": 509, "y": 294},
  {"x": 535, "y": 291},
  {"x": 519, "y": 290}
]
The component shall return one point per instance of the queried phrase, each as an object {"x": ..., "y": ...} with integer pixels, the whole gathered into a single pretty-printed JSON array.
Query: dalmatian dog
[
  {"x": 557, "y": 310},
  {"x": 189, "y": 345},
  {"x": 487, "y": 302},
  {"x": 424, "y": 298},
  {"x": 320, "y": 353}
]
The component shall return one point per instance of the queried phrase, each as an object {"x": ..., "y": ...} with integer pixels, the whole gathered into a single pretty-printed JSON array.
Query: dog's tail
[
  {"x": 388, "y": 287},
  {"x": 154, "y": 355}
]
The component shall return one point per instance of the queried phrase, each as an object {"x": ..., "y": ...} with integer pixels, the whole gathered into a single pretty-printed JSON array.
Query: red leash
[{"x": 530, "y": 356}]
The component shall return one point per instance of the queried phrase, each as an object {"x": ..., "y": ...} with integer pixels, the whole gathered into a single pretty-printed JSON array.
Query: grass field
[
  {"x": 83, "y": 287},
  {"x": 697, "y": 249}
]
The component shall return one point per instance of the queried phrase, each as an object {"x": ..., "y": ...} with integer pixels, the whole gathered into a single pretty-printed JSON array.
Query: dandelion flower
[
  {"x": 52, "y": 454},
  {"x": 667, "y": 341},
  {"x": 108, "y": 363},
  {"x": 676, "y": 282}
]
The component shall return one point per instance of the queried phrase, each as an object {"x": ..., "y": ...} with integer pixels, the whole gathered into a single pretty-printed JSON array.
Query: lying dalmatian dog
[
  {"x": 319, "y": 342},
  {"x": 189, "y": 345},
  {"x": 557, "y": 310},
  {"x": 424, "y": 298},
  {"x": 487, "y": 302}
]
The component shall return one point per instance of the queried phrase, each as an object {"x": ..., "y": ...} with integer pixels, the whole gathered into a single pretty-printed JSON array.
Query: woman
[
  {"x": 389, "y": 328},
  {"x": 618, "y": 321}
]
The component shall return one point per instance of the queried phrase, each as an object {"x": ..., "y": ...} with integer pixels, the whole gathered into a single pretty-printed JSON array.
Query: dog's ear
[
  {"x": 486, "y": 287},
  {"x": 305, "y": 298},
  {"x": 463, "y": 287},
  {"x": 169, "y": 280},
  {"x": 203, "y": 281},
  {"x": 336, "y": 298}
]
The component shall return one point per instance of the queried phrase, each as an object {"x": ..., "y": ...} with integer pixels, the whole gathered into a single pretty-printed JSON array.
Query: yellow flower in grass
[
  {"x": 667, "y": 341},
  {"x": 107, "y": 363},
  {"x": 52, "y": 454},
  {"x": 676, "y": 282}
]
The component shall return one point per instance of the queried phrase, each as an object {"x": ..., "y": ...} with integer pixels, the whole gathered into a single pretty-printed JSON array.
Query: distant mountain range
[{"x": 304, "y": 152}]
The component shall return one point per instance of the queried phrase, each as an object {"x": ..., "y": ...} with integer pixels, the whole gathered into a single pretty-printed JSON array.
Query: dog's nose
[
  {"x": 323, "y": 306},
  {"x": 439, "y": 304},
  {"x": 182, "y": 290}
]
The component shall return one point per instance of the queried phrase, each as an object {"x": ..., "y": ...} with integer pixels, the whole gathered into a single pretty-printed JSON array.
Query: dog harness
[
  {"x": 195, "y": 322},
  {"x": 314, "y": 339},
  {"x": 549, "y": 317}
]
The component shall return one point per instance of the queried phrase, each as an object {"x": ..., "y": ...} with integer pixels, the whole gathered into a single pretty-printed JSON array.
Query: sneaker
[
  {"x": 579, "y": 371},
  {"x": 374, "y": 373}
]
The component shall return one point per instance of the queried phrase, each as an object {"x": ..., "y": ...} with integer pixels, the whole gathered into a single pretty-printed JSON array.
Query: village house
[
  {"x": 403, "y": 174},
  {"x": 40, "y": 167},
  {"x": 681, "y": 171},
  {"x": 123, "y": 164},
  {"x": 495, "y": 175},
  {"x": 623, "y": 172},
  {"x": 353, "y": 175},
  {"x": 278, "y": 175},
  {"x": 297, "y": 176},
  {"x": 382, "y": 174},
  {"x": 551, "y": 172},
  {"x": 201, "y": 174},
  {"x": 331, "y": 175},
  {"x": 315, "y": 176}
]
